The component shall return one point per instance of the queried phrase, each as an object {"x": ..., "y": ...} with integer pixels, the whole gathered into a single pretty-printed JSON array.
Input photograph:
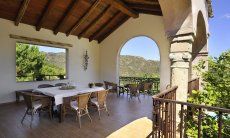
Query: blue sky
[
  {"x": 219, "y": 40},
  {"x": 141, "y": 46},
  {"x": 51, "y": 49}
]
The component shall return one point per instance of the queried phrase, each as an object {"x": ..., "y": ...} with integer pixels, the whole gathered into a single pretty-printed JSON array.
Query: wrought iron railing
[
  {"x": 170, "y": 117},
  {"x": 138, "y": 80}
]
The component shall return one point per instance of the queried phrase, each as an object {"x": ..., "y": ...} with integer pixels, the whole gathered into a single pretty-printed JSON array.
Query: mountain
[
  {"x": 131, "y": 66},
  {"x": 57, "y": 59},
  {"x": 134, "y": 66}
]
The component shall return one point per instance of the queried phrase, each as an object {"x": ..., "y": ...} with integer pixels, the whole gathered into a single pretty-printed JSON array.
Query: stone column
[{"x": 180, "y": 55}]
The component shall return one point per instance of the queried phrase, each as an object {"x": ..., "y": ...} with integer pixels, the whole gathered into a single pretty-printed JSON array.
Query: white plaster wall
[
  {"x": 76, "y": 73},
  {"x": 147, "y": 25}
]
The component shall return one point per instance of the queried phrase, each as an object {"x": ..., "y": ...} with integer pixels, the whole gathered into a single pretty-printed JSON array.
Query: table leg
[
  {"x": 18, "y": 97},
  {"x": 61, "y": 113}
]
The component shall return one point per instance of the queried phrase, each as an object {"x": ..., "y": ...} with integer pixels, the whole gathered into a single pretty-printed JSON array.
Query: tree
[
  {"x": 29, "y": 60},
  {"x": 32, "y": 64},
  {"x": 216, "y": 92}
]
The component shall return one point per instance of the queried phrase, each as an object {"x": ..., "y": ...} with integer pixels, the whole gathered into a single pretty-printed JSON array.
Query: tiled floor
[{"x": 121, "y": 110}]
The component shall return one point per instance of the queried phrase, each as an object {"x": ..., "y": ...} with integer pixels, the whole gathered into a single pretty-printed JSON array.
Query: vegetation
[
  {"x": 33, "y": 64},
  {"x": 133, "y": 66},
  {"x": 216, "y": 92}
]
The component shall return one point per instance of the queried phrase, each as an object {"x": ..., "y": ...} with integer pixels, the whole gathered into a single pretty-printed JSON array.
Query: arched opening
[
  {"x": 139, "y": 62},
  {"x": 201, "y": 35},
  {"x": 199, "y": 48}
]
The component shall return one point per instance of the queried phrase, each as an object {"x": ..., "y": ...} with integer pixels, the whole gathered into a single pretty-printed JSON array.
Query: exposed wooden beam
[
  {"x": 40, "y": 41},
  {"x": 105, "y": 26},
  {"x": 21, "y": 11},
  {"x": 101, "y": 38},
  {"x": 155, "y": 2},
  {"x": 95, "y": 21},
  {"x": 66, "y": 16},
  {"x": 97, "y": 33},
  {"x": 45, "y": 14},
  {"x": 158, "y": 13},
  {"x": 123, "y": 8},
  {"x": 84, "y": 18},
  {"x": 145, "y": 7}
]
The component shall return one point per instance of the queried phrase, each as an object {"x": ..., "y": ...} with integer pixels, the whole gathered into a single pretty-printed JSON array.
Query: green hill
[
  {"x": 57, "y": 59},
  {"x": 134, "y": 66}
]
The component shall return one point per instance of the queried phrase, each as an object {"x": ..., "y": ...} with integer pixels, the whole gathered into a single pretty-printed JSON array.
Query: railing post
[
  {"x": 199, "y": 123},
  {"x": 182, "y": 121},
  {"x": 166, "y": 120},
  {"x": 220, "y": 125}
]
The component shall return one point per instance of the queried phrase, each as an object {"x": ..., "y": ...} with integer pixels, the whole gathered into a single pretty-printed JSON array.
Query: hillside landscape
[
  {"x": 134, "y": 66},
  {"x": 57, "y": 59}
]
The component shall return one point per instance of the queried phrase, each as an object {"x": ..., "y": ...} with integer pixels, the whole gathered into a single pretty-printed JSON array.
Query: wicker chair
[
  {"x": 60, "y": 84},
  {"x": 100, "y": 101},
  {"x": 146, "y": 87},
  {"x": 79, "y": 104},
  {"x": 36, "y": 103},
  {"x": 134, "y": 91},
  {"x": 112, "y": 87},
  {"x": 45, "y": 86}
]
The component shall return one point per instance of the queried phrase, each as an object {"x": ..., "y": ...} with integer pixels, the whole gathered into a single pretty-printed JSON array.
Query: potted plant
[
  {"x": 39, "y": 77},
  {"x": 61, "y": 77},
  {"x": 91, "y": 85}
]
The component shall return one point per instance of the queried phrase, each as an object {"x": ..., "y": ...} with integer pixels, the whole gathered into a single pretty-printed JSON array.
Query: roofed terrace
[{"x": 176, "y": 25}]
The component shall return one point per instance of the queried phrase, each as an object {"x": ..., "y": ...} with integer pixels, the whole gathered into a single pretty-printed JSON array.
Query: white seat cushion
[
  {"x": 74, "y": 105},
  {"x": 94, "y": 101},
  {"x": 37, "y": 105}
]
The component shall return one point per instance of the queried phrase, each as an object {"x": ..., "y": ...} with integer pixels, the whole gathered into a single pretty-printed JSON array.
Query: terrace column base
[{"x": 180, "y": 56}]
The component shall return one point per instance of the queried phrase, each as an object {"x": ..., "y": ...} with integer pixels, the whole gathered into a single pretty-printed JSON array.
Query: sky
[
  {"x": 51, "y": 49},
  {"x": 219, "y": 40}
]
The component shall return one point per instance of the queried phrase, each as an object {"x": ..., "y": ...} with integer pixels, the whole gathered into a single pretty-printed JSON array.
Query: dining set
[{"x": 54, "y": 98}]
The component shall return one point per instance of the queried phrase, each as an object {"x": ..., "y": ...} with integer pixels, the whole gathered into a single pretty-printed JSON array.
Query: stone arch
[
  {"x": 177, "y": 15},
  {"x": 198, "y": 8},
  {"x": 200, "y": 40},
  {"x": 130, "y": 39}
]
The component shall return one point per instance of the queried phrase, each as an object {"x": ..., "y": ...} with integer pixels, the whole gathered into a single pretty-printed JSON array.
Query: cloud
[{"x": 226, "y": 16}]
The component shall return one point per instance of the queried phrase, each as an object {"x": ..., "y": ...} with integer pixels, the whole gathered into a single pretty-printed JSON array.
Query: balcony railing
[
  {"x": 138, "y": 80},
  {"x": 165, "y": 122}
]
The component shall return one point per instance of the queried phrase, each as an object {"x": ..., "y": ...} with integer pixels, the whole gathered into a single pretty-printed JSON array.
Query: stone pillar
[{"x": 180, "y": 55}]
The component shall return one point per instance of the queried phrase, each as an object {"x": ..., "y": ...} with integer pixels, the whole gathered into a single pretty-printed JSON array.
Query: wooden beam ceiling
[
  {"x": 84, "y": 18},
  {"x": 92, "y": 19},
  {"x": 94, "y": 22},
  {"x": 123, "y": 8},
  {"x": 97, "y": 33},
  {"x": 21, "y": 11},
  {"x": 66, "y": 16},
  {"x": 101, "y": 38},
  {"x": 104, "y": 27},
  {"x": 45, "y": 14}
]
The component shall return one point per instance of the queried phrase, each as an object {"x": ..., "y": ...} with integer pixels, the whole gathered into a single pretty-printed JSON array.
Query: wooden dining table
[{"x": 58, "y": 95}]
